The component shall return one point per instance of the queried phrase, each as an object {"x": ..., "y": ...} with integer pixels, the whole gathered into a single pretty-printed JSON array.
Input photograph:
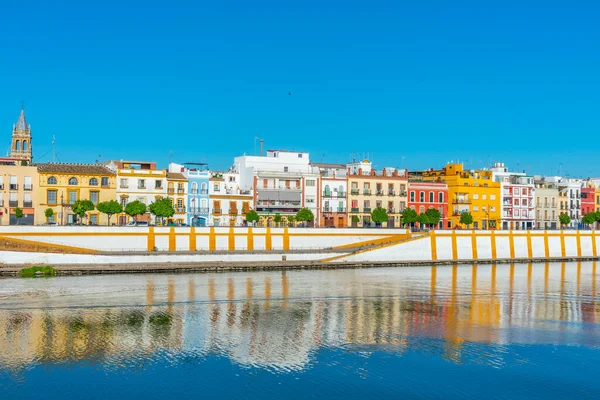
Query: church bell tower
[{"x": 21, "y": 139}]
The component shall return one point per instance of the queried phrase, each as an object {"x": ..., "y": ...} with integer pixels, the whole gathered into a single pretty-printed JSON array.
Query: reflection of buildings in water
[{"x": 265, "y": 320}]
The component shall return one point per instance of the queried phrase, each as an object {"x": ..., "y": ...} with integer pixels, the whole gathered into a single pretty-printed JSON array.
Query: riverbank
[{"x": 280, "y": 265}]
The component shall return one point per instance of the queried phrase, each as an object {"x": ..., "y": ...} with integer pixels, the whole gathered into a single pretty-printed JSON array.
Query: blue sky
[{"x": 432, "y": 81}]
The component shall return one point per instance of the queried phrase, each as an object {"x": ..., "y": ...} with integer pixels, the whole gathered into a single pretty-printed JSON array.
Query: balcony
[
  {"x": 180, "y": 191},
  {"x": 391, "y": 193},
  {"x": 13, "y": 203},
  {"x": 245, "y": 211},
  {"x": 461, "y": 201},
  {"x": 202, "y": 210},
  {"x": 194, "y": 191},
  {"x": 216, "y": 211},
  {"x": 1, "y": 186},
  {"x": 124, "y": 186},
  {"x": 180, "y": 209},
  {"x": 1, "y": 203},
  {"x": 141, "y": 186},
  {"x": 391, "y": 211},
  {"x": 204, "y": 191},
  {"x": 403, "y": 194},
  {"x": 27, "y": 204},
  {"x": 327, "y": 210},
  {"x": 158, "y": 187},
  {"x": 354, "y": 191},
  {"x": 367, "y": 209},
  {"x": 341, "y": 209},
  {"x": 341, "y": 195},
  {"x": 14, "y": 186},
  {"x": 233, "y": 211},
  {"x": 28, "y": 186},
  {"x": 367, "y": 192},
  {"x": 354, "y": 209},
  {"x": 327, "y": 194},
  {"x": 379, "y": 193},
  {"x": 170, "y": 191}
]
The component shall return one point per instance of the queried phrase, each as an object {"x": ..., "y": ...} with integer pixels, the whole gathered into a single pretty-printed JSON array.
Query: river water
[{"x": 505, "y": 331}]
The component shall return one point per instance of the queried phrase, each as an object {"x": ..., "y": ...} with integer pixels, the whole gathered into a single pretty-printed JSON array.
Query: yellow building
[
  {"x": 598, "y": 198},
  {"x": 61, "y": 185},
  {"x": 17, "y": 189},
  {"x": 177, "y": 191},
  {"x": 472, "y": 191}
]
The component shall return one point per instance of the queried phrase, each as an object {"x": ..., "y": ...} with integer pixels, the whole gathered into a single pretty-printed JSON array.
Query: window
[
  {"x": 93, "y": 182},
  {"x": 492, "y": 197},
  {"x": 123, "y": 183},
  {"x": 93, "y": 219},
  {"x": 72, "y": 196},
  {"x": 421, "y": 209},
  {"x": 475, "y": 208},
  {"x": 310, "y": 182},
  {"x": 402, "y": 206},
  {"x": 94, "y": 197},
  {"x": 141, "y": 184},
  {"x": 516, "y": 203},
  {"x": 158, "y": 184},
  {"x": 421, "y": 197},
  {"x": 180, "y": 203},
  {"x": 73, "y": 181},
  {"x": 104, "y": 181},
  {"x": 51, "y": 197},
  {"x": 475, "y": 196},
  {"x": 52, "y": 180},
  {"x": 310, "y": 199},
  {"x": 517, "y": 191},
  {"x": 367, "y": 204},
  {"x": 412, "y": 196},
  {"x": 216, "y": 187},
  {"x": 299, "y": 155},
  {"x": 484, "y": 196},
  {"x": 440, "y": 197},
  {"x": 484, "y": 208},
  {"x": 285, "y": 169},
  {"x": 431, "y": 197}
]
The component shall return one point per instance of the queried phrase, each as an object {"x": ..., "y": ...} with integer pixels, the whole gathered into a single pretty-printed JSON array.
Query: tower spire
[{"x": 21, "y": 138}]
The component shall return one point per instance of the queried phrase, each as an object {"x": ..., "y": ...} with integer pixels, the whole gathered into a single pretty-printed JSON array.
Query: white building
[
  {"x": 177, "y": 191},
  {"x": 571, "y": 188},
  {"x": 518, "y": 197},
  {"x": 283, "y": 182},
  {"x": 138, "y": 180},
  {"x": 228, "y": 202},
  {"x": 332, "y": 195}
]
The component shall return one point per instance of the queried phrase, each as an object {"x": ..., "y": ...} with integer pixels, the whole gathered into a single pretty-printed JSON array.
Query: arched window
[
  {"x": 422, "y": 197},
  {"x": 194, "y": 187},
  {"x": 73, "y": 181},
  {"x": 421, "y": 209},
  {"x": 341, "y": 191},
  {"x": 18, "y": 145},
  {"x": 52, "y": 180},
  {"x": 180, "y": 203},
  {"x": 440, "y": 197},
  {"x": 204, "y": 204},
  {"x": 24, "y": 145},
  {"x": 327, "y": 190},
  {"x": 204, "y": 188},
  {"x": 93, "y": 182},
  {"x": 431, "y": 197}
]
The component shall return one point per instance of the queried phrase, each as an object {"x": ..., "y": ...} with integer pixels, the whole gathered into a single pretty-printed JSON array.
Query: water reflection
[{"x": 278, "y": 320}]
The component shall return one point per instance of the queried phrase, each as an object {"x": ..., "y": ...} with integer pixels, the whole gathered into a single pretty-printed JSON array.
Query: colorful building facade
[
  {"x": 18, "y": 189},
  {"x": 331, "y": 195},
  {"x": 177, "y": 192},
  {"x": 588, "y": 199},
  {"x": 61, "y": 185},
  {"x": 229, "y": 203},
  {"x": 547, "y": 202},
  {"x": 198, "y": 205},
  {"x": 423, "y": 195},
  {"x": 369, "y": 189}
]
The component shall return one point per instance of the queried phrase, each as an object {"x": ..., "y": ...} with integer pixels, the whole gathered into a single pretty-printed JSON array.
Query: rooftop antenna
[
  {"x": 53, "y": 148},
  {"x": 255, "y": 138}
]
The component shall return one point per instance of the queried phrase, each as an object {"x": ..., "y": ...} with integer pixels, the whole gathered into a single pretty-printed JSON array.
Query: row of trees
[
  {"x": 303, "y": 215},
  {"x": 161, "y": 208}
]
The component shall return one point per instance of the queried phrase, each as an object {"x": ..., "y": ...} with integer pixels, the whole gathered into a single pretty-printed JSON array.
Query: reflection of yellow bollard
[{"x": 283, "y": 258}]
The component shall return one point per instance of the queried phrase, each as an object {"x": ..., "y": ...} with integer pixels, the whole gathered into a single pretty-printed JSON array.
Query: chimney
[{"x": 262, "y": 147}]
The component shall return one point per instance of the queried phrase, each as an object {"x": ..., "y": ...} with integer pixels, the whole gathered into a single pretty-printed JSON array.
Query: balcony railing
[
  {"x": 245, "y": 211},
  {"x": 216, "y": 211},
  {"x": 354, "y": 209},
  {"x": 141, "y": 186},
  {"x": 367, "y": 192},
  {"x": 367, "y": 209},
  {"x": 27, "y": 204},
  {"x": 461, "y": 201},
  {"x": 203, "y": 210},
  {"x": 27, "y": 187},
  {"x": 341, "y": 194},
  {"x": 124, "y": 185},
  {"x": 403, "y": 194},
  {"x": 204, "y": 191},
  {"x": 180, "y": 209},
  {"x": 326, "y": 194},
  {"x": 379, "y": 193},
  {"x": 180, "y": 191},
  {"x": 390, "y": 211},
  {"x": 391, "y": 193},
  {"x": 13, "y": 203},
  {"x": 171, "y": 191},
  {"x": 14, "y": 186},
  {"x": 341, "y": 209},
  {"x": 233, "y": 211},
  {"x": 194, "y": 191},
  {"x": 355, "y": 191},
  {"x": 327, "y": 210}
]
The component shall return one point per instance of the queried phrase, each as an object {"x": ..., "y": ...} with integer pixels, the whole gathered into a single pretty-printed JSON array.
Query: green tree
[
  {"x": 433, "y": 216},
  {"x": 135, "y": 208},
  {"x": 466, "y": 218},
  {"x": 355, "y": 219},
  {"x": 18, "y": 214},
  {"x": 49, "y": 213},
  {"x": 80, "y": 207},
  {"x": 304, "y": 215},
  {"x": 252, "y": 217},
  {"x": 291, "y": 219},
  {"x": 590, "y": 218},
  {"x": 277, "y": 218},
  {"x": 162, "y": 208},
  {"x": 423, "y": 220},
  {"x": 379, "y": 215},
  {"x": 110, "y": 208},
  {"x": 564, "y": 219},
  {"x": 409, "y": 216}
]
